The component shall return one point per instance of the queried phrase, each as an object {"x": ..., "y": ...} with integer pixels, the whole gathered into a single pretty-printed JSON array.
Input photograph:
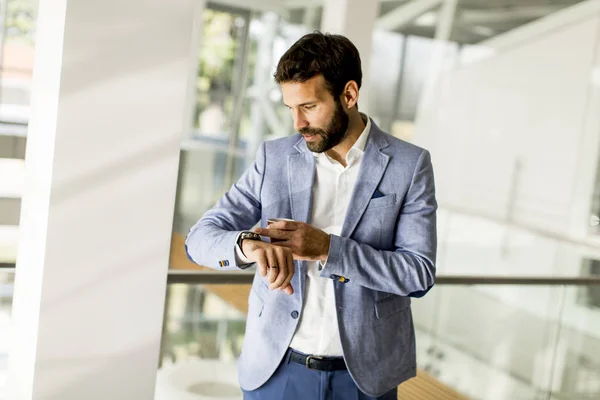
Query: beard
[{"x": 332, "y": 135}]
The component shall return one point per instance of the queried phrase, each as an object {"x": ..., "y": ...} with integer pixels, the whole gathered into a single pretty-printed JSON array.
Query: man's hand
[
  {"x": 276, "y": 263},
  {"x": 305, "y": 241}
]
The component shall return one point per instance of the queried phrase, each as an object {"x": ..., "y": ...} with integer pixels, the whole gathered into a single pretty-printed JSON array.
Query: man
[{"x": 329, "y": 311}]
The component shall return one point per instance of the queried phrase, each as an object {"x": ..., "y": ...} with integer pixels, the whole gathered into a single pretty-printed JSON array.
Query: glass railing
[
  {"x": 6, "y": 294},
  {"x": 512, "y": 341},
  {"x": 486, "y": 337},
  {"x": 202, "y": 339},
  {"x": 491, "y": 338}
]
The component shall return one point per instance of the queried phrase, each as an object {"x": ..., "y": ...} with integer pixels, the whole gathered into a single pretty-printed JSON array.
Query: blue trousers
[{"x": 292, "y": 381}]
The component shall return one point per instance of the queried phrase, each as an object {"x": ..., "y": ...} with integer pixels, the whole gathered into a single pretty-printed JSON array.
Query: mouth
[{"x": 309, "y": 137}]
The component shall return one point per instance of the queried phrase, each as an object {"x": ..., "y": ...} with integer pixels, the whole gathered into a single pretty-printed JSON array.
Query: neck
[{"x": 355, "y": 127}]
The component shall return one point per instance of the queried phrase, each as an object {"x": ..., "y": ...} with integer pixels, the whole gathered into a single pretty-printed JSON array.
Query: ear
[{"x": 350, "y": 94}]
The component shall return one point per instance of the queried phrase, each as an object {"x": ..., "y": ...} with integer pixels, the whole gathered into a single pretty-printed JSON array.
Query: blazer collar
[{"x": 301, "y": 172}]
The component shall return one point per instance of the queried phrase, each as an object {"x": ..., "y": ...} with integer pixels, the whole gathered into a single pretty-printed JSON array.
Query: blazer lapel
[
  {"x": 301, "y": 177},
  {"x": 373, "y": 165}
]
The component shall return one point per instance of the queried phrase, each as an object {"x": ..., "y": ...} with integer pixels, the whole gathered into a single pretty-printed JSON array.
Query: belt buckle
[{"x": 308, "y": 360}]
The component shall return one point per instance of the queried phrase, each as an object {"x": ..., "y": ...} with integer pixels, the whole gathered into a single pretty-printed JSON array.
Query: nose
[{"x": 300, "y": 121}]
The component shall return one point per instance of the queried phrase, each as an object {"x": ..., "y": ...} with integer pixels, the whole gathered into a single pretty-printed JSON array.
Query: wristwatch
[{"x": 247, "y": 235}]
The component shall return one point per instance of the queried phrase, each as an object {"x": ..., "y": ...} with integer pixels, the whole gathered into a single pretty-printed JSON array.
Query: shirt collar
[{"x": 361, "y": 142}]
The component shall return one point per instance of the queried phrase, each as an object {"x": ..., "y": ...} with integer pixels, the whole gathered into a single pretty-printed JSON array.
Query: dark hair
[{"x": 333, "y": 56}]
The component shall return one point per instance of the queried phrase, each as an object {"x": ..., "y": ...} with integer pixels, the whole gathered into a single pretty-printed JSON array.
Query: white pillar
[
  {"x": 109, "y": 88},
  {"x": 354, "y": 19}
]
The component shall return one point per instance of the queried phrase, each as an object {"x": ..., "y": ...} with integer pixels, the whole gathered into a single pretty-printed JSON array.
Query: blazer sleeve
[
  {"x": 409, "y": 270},
  {"x": 212, "y": 240}
]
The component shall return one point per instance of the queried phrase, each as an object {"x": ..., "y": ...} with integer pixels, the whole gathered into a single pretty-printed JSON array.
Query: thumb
[{"x": 288, "y": 289}]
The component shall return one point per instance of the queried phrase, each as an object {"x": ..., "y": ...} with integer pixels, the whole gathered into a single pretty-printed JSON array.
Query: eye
[{"x": 310, "y": 107}]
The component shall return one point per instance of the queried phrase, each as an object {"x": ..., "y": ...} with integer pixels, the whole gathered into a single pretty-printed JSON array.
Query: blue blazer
[{"x": 385, "y": 254}]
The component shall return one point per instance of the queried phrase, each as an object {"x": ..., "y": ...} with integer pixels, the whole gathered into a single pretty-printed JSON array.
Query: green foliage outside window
[{"x": 20, "y": 20}]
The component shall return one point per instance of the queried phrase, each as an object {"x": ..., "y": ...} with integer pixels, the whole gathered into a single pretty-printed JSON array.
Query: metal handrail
[
  {"x": 210, "y": 277},
  {"x": 233, "y": 277}
]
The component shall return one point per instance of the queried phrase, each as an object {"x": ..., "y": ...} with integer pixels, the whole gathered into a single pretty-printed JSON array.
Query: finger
[
  {"x": 273, "y": 266},
  {"x": 261, "y": 261},
  {"x": 293, "y": 248},
  {"x": 283, "y": 269},
  {"x": 290, "y": 268},
  {"x": 284, "y": 225},
  {"x": 273, "y": 233},
  {"x": 289, "y": 262}
]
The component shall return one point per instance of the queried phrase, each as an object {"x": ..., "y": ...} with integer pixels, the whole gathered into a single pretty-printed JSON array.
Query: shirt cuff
[{"x": 322, "y": 264}]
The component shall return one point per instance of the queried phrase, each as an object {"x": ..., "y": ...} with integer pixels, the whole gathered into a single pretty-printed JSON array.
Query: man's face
[{"x": 317, "y": 115}]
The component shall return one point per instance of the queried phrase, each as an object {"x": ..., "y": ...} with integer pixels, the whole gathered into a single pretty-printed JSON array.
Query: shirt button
[{"x": 294, "y": 314}]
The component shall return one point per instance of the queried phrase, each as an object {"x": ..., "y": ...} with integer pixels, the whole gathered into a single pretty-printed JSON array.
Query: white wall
[
  {"x": 530, "y": 101},
  {"x": 514, "y": 132}
]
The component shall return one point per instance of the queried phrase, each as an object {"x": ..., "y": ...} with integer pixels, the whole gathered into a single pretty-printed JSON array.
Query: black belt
[{"x": 319, "y": 363}]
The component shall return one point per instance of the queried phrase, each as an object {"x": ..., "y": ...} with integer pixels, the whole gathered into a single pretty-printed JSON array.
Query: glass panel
[
  {"x": 209, "y": 155},
  {"x": 497, "y": 342},
  {"x": 16, "y": 59},
  {"x": 238, "y": 103},
  {"x": 6, "y": 294},
  {"x": 17, "y": 33},
  {"x": 219, "y": 60},
  {"x": 204, "y": 329},
  {"x": 510, "y": 341},
  {"x": 576, "y": 372}
]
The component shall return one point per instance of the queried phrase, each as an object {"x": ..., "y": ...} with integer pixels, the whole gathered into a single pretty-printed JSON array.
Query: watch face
[{"x": 250, "y": 235}]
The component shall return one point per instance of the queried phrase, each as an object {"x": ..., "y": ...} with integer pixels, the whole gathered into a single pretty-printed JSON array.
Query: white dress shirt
[{"x": 317, "y": 332}]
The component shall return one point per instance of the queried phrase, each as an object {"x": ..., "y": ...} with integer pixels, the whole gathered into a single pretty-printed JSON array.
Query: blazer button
[{"x": 294, "y": 314}]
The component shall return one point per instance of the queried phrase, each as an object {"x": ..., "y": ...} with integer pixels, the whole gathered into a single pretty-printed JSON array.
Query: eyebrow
[{"x": 302, "y": 104}]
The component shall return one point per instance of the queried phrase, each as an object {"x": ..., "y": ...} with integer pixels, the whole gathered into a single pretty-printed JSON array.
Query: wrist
[
  {"x": 246, "y": 242},
  {"x": 248, "y": 246}
]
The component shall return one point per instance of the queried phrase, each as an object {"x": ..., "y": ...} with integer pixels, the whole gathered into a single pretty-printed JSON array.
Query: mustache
[{"x": 311, "y": 131}]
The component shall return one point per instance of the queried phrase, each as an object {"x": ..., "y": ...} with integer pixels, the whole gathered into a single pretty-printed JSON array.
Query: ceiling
[{"x": 475, "y": 20}]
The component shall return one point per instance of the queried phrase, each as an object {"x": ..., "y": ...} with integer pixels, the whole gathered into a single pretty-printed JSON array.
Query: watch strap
[{"x": 247, "y": 235}]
